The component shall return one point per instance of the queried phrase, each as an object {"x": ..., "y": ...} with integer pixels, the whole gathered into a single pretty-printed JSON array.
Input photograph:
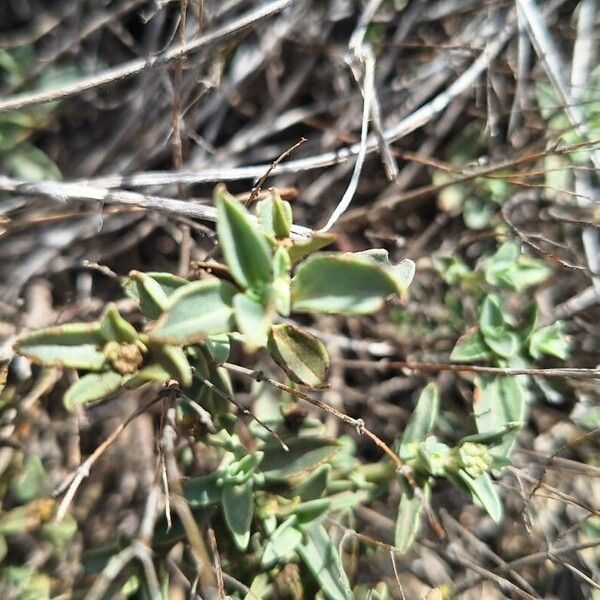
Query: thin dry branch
[{"x": 141, "y": 65}]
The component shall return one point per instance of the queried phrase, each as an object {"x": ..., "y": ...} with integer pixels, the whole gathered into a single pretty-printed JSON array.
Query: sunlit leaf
[
  {"x": 304, "y": 455},
  {"x": 281, "y": 543},
  {"x": 92, "y": 387},
  {"x": 470, "y": 348},
  {"x": 301, "y": 355},
  {"x": 550, "y": 340},
  {"x": 196, "y": 311},
  {"x": 317, "y": 241},
  {"x": 342, "y": 284},
  {"x": 75, "y": 345},
  {"x": 320, "y": 555},
  {"x": 252, "y": 320},
  {"x": 238, "y": 508},
  {"x": 498, "y": 402},
  {"x": 410, "y": 512},
  {"x": 245, "y": 249},
  {"x": 274, "y": 216},
  {"x": 484, "y": 493},
  {"x": 424, "y": 417},
  {"x": 175, "y": 362},
  {"x": 114, "y": 327},
  {"x": 148, "y": 292}
]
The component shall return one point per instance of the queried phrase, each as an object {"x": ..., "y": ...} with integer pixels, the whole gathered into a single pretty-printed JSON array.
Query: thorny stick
[{"x": 358, "y": 424}]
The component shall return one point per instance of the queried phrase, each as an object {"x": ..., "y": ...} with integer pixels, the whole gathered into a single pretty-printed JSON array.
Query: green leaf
[
  {"x": 508, "y": 268},
  {"x": 493, "y": 436},
  {"x": 30, "y": 163},
  {"x": 202, "y": 490},
  {"x": 147, "y": 292},
  {"x": 260, "y": 587},
  {"x": 151, "y": 372},
  {"x": 493, "y": 322},
  {"x": 238, "y": 508},
  {"x": 403, "y": 272},
  {"x": 410, "y": 512},
  {"x": 470, "y": 348},
  {"x": 452, "y": 268},
  {"x": 484, "y": 493},
  {"x": 92, "y": 387},
  {"x": 60, "y": 534},
  {"x": 313, "y": 486},
  {"x": 550, "y": 340},
  {"x": 281, "y": 544},
  {"x": 317, "y": 241},
  {"x": 76, "y": 345},
  {"x": 274, "y": 216},
  {"x": 424, "y": 417},
  {"x": 152, "y": 290},
  {"x": 322, "y": 559},
  {"x": 219, "y": 347},
  {"x": 499, "y": 401},
  {"x": 304, "y": 455},
  {"x": 114, "y": 327},
  {"x": 281, "y": 281},
  {"x": 196, "y": 311},
  {"x": 301, "y": 355},
  {"x": 529, "y": 322},
  {"x": 31, "y": 482},
  {"x": 246, "y": 250},
  {"x": 478, "y": 213},
  {"x": 491, "y": 318},
  {"x": 504, "y": 343},
  {"x": 342, "y": 284},
  {"x": 252, "y": 320},
  {"x": 173, "y": 360}
]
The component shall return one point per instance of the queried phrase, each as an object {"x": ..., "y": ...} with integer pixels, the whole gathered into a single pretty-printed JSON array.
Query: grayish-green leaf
[
  {"x": 92, "y": 387},
  {"x": 219, "y": 347},
  {"x": 245, "y": 249},
  {"x": 424, "y": 417},
  {"x": 484, "y": 493},
  {"x": 322, "y": 559},
  {"x": 499, "y": 401},
  {"x": 238, "y": 508},
  {"x": 202, "y": 490},
  {"x": 550, "y": 340},
  {"x": 76, "y": 345},
  {"x": 301, "y": 355},
  {"x": 114, "y": 327},
  {"x": 342, "y": 284},
  {"x": 196, "y": 311},
  {"x": 252, "y": 320},
  {"x": 410, "y": 512},
  {"x": 281, "y": 544},
  {"x": 470, "y": 348},
  {"x": 175, "y": 362},
  {"x": 304, "y": 455},
  {"x": 304, "y": 247},
  {"x": 149, "y": 293}
]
